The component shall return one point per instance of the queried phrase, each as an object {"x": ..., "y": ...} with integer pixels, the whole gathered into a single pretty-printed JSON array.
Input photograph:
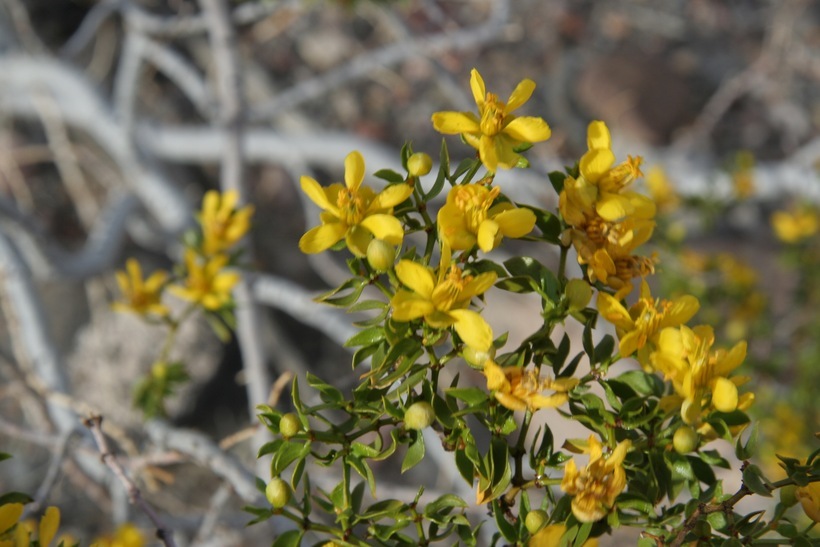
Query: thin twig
[{"x": 164, "y": 534}]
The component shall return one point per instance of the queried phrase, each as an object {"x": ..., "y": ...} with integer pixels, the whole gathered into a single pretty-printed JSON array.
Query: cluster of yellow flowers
[
  {"x": 607, "y": 221},
  {"x": 20, "y": 533},
  {"x": 206, "y": 281},
  {"x": 595, "y": 487}
]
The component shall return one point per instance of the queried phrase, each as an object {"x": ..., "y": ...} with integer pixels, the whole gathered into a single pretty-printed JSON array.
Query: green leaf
[
  {"x": 603, "y": 350},
  {"x": 637, "y": 381},
  {"x": 755, "y": 481},
  {"x": 557, "y": 180},
  {"x": 389, "y": 175},
  {"x": 473, "y": 396},
  {"x": 415, "y": 453},
  {"x": 516, "y": 284},
  {"x": 384, "y": 508},
  {"x": 15, "y": 497},
  {"x": 549, "y": 224},
  {"x": 504, "y": 526},
  {"x": 288, "y": 453},
  {"x": 352, "y": 288},
  {"x": 363, "y": 469},
  {"x": 443, "y": 173},
  {"x": 291, "y": 538},
  {"x": 746, "y": 451},
  {"x": 367, "y": 337},
  {"x": 327, "y": 392}
]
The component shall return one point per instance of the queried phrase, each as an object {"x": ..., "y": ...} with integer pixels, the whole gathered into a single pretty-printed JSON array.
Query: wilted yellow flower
[
  {"x": 699, "y": 375},
  {"x": 442, "y": 298},
  {"x": 518, "y": 389},
  {"x": 809, "y": 497},
  {"x": 795, "y": 225},
  {"x": 495, "y": 132},
  {"x": 353, "y": 211},
  {"x": 639, "y": 327},
  {"x": 550, "y": 536},
  {"x": 222, "y": 223},
  {"x": 469, "y": 217},
  {"x": 207, "y": 282},
  {"x": 127, "y": 535},
  {"x": 596, "y": 486},
  {"x": 141, "y": 296}
]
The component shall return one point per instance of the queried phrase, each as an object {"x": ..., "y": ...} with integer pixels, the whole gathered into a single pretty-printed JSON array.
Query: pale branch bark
[{"x": 164, "y": 534}]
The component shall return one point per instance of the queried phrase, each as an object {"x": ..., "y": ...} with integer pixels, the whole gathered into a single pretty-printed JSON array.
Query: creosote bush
[{"x": 650, "y": 458}]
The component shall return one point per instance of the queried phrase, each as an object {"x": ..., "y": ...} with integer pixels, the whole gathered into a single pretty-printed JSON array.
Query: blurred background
[{"x": 112, "y": 126}]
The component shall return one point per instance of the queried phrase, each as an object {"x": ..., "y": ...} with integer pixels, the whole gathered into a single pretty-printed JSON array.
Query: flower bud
[
  {"x": 419, "y": 415},
  {"x": 809, "y": 497},
  {"x": 159, "y": 370},
  {"x": 788, "y": 495},
  {"x": 579, "y": 293},
  {"x": 535, "y": 520},
  {"x": 278, "y": 493},
  {"x": 289, "y": 425},
  {"x": 380, "y": 255},
  {"x": 685, "y": 439},
  {"x": 476, "y": 358},
  {"x": 419, "y": 164}
]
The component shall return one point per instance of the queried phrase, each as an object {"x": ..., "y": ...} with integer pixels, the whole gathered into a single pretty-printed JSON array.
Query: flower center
[
  {"x": 351, "y": 207},
  {"x": 448, "y": 292},
  {"x": 621, "y": 175},
  {"x": 492, "y": 115},
  {"x": 474, "y": 201}
]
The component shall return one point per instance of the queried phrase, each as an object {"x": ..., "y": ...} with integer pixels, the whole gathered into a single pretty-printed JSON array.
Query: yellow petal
[
  {"x": 322, "y": 238},
  {"x": 225, "y": 281},
  {"x": 506, "y": 156},
  {"x": 496, "y": 379},
  {"x": 48, "y": 526},
  {"x": 316, "y": 194},
  {"x": 598, "y": 136},
  {"x": 487, "y": 232},
  {"x": 417, "y": 277},
  {"x": 520, "y": 95},
  {"x": 680, "y": 311},
  {"x": 510, "y": 401},
  {"x": 408, "y": 306},
  {"x": 515, "y": 222},
  {"x": 613, "y": 207},
  {"x": 390, "y": 197},
  {"x": 733, "y": 359},
  {"x": 473, "y": 329},
  {"x": 629, "y": 343},
  {"x": 478, "y": 284},
  {"x": 614, "y": 312},
  {"x": 547, "y": 401},
  {"x": 809, "y": 497},
  {"x": 10, "y": 513},
  {"x": 384, "y": 227},
  {"x": 477, "y": 87},
  {"x": 210, "y": 203},
  {"x": 453, "y": 123},
  {"x": 724, "y": 395},
  {"x": 452, "y": 228},
  {"x": 487, "y": 153},
  {"x": 595, "y": 163},
  {"x": 528, "y": 129},
  {"x": 354, "y": 170},
  {"x": 358, "y": 238}
]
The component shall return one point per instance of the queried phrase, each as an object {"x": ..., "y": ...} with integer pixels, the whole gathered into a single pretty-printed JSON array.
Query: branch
[{"x": 164, "y": 534}]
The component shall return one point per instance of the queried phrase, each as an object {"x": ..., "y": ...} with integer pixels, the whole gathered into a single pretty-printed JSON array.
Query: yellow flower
[
  {"x": 639, "y": 327},
  {"x": 795, "y": 225},
  {"x": 141, "y": 297},
  {"x": 442, "y": 299},
  {"x": 207, "y": 283},
  {"x": 597, "y": 485},
  {"x": 661, "y": 190},
  {"x": 809, "y": 497},
  {"x": 743, "y": 175},
  {"x": 495, "y": 132},
  {"x": 469, "y": 217},
  {"x": 550, "y": 536},
  {"x": 597, "y": 168},
  {"x": 222, "y": 223},
  {"x": 353, "y": 212},
  {"x": 10, "y": 514},
  {"x": 517, "y": 389},
  {"x": 127, "y": 535},
  {"x": 699, "y": 375}
]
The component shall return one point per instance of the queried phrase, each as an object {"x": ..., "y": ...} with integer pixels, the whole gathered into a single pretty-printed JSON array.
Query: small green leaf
[
  {"x": 755, "y": 481},
  {"x": 367, "y": 337},
  {"x": 291, "y": 538},
  {"x": 557, "y": 180},
  {"x": 327, "y": 392},
  {"x": 473, "y": 396},
  {"x": 415, "y": 453},
  {"x": 389, "y": 175}
]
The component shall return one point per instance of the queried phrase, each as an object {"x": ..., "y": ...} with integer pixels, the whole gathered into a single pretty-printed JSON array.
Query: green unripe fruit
[
  {"x": 685, "y": 439},
  {"x": 380, "y": 255},
  {"x": 419, "y": 164},
  {"x": 278, "y": 493},
  {"x": 536, "y": 519},
  {"x": 419, "y": 415},
  {"x": 788, "y": 495},
  {"x": 289, "y": 425},
  {"x": 476, "y": 358}
]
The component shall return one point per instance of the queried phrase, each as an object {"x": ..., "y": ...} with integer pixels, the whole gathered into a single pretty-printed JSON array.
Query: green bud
[
  {"x": 380, "y": 255},
  {"x": 788, "y": 495},
  {"x": 685, "y": 439},
  {"x": 579, "y": 293},
  {"x": 419, "y": 164},
  {"x": 476, "y": 358},
  {"x": 536, "y": 519},
  {"x": 278, "y": 493},
  {"x": 419, "y": 415},
  {"x": 289, "y": 425}
]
